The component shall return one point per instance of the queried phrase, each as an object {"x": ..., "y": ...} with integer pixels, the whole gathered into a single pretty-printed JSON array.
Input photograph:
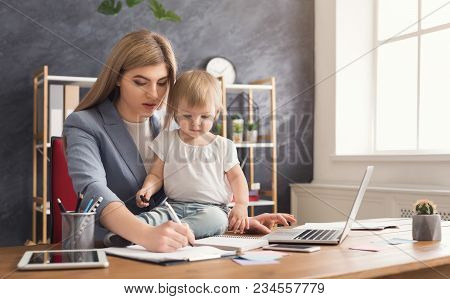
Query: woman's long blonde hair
[{"x": 136, "y": 49}]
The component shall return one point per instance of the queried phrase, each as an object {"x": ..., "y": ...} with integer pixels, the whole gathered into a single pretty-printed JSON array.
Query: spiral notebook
[{"x": 232, "y": 242}]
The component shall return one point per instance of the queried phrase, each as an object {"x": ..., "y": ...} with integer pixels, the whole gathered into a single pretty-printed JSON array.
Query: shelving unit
[
  {"x": 264, "y": 85},
  {"x": 41, "y": 137}
]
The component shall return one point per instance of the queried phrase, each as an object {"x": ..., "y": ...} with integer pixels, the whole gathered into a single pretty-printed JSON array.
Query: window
[{"x": 412, "y": 100}]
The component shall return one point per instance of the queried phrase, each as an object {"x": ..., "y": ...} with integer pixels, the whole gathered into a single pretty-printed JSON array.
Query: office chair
[{"x": 61, "y": 187}]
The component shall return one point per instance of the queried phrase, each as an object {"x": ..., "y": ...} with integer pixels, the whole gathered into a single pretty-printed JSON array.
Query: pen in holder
[{"x": 78, "y": 230}]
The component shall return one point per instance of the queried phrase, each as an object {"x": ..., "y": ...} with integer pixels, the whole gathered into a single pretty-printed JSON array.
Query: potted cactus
[
  {"x": 252, "y": 132},
  {"x": 237, "y": 128},
  {"x": 426, "y": 223}
]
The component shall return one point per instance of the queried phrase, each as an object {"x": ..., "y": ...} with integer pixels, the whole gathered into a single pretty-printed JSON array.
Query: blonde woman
[{"x": 106, "y": 137}]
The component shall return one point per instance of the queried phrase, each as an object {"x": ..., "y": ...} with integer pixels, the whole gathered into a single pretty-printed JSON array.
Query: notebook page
[
  {"x": 229, "y": 242},
  {"x": 138, "y": 252}
]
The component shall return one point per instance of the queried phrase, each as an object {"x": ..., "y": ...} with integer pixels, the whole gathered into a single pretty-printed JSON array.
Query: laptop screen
[{"x": 357, "y": 202}]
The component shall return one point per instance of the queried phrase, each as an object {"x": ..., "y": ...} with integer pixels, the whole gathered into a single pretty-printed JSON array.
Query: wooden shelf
[
  {"x": 250, "y": 144},
  {"x": 39, "y": 208},
  {"x": 40, "y": 145},
  {"x": 80, "y": 81},
  {"x": 238, "y": 88}
]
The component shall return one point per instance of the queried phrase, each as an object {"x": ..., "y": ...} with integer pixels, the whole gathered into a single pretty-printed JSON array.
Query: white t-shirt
[
  {"x": 142, "y": 136},
  {"x": 196, "y": 173}
]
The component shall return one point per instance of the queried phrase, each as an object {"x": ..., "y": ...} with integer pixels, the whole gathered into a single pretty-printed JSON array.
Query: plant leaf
[
  {"x": 161, "y": 13},
  {"x": 157, "y": 9},
  {"x": 109, "y": 7},
  {"x": 171, "y": 16},
  {"x": 131, "y": 3}
]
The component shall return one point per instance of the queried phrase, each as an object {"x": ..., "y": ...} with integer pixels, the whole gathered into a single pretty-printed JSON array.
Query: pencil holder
[{"x": 78, "y": 230}]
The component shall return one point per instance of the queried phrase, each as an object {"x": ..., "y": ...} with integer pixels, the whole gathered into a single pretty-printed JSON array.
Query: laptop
[{"x": 322, "y": 235}]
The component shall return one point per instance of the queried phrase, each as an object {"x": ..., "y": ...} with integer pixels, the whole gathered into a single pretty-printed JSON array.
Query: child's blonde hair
[{"x": 198, "y": 88}]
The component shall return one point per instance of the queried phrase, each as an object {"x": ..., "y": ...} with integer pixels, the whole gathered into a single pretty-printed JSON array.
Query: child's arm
[
  {"x": 238, "y": 218},
  {"x": 153, "y": 182}
]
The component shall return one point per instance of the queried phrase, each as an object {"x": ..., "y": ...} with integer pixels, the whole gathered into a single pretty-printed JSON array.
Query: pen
[
  {"x": 96, "y": 204},
  {"x": 144, "y": 199},
  {"x": 172, "y": 213},
  {"x": 80, "y": 198},
  {"x": 61, "y": 206},
  {"x": 88, "y": 205}
]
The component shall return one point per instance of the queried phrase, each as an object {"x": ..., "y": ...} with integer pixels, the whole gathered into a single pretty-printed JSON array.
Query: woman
[{"x": 106, "y": 135}]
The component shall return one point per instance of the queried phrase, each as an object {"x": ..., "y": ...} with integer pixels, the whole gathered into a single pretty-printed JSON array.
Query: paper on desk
[
  {"x": 244, "y": 262},
  {"x": 397, "y": 241},
  {"x": 183, "y": 254},
  {"x": 394, "y": 241},
  {"x": 268, "y": 255}
]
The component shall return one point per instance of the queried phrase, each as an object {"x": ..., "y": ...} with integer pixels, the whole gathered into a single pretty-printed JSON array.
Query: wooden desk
[{"x": 417, "y": 260}]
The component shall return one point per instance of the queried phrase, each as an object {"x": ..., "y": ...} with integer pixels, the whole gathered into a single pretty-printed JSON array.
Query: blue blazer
[{"x": 102, "y": 157}]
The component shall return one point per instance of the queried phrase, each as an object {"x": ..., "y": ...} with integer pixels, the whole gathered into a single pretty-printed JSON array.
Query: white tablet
[{"x": 63, "y": 259}]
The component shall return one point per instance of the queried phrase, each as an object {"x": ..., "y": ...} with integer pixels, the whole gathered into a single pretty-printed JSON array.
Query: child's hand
[
  {"x": 143, "y": 198},
  {"x": 238, "y": 219}
]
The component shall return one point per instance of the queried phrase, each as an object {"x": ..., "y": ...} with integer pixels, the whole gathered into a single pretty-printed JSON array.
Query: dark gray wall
[{"x": 262, "y": 37}]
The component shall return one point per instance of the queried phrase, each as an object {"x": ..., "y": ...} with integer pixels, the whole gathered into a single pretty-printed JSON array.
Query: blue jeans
[{"x": 205, "y": 220}]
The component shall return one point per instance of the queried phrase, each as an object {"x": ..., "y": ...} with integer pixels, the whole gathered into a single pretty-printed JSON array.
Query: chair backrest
[{"x": 61, "y": 187}]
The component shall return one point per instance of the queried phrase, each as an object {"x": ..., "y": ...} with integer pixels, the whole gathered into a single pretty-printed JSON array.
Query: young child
[{"x": 200, "y": 170}]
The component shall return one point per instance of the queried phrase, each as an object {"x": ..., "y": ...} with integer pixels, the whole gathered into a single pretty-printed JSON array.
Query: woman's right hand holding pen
[
  {"x": 166, "y": 237},
  {"x": 143, "y": 197}
]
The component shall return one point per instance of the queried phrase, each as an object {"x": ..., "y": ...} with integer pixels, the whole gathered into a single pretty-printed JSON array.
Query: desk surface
[{"x": 421, "y": 259}]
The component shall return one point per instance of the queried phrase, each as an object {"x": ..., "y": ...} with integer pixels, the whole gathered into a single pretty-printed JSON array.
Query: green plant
[
  {"x": 113, "y": 7},
  {"x": 237, "y": 128},
  {"x": 217, "y": 128},
  {"x": 424, "y": 207},
  {"x": 251, "y": 126}
]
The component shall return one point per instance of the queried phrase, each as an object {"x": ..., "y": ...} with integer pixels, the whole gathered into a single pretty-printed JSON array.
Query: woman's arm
[{"x": 164, "y": 238}]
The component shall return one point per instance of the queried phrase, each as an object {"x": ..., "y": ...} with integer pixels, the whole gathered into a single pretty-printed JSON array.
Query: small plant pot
[
  {"x": 426, "y": 227},
  {"x": 238, "y": 128},
  {"x": 252, "y": 136}
]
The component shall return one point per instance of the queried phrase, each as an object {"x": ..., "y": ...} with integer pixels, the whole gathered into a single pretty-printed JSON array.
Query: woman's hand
[
  {"x": 143, "y": 193},
  {"x": 238, "y": 219},
  {"x": 166, "y": 237},
  {"x": 263, "y": 224}
]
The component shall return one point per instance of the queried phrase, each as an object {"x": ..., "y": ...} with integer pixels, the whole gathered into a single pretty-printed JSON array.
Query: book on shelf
[
  {"x": 233, "y": 242},
  {"x": 71, "y": 99},
  {"x": 56, "y": 110}
]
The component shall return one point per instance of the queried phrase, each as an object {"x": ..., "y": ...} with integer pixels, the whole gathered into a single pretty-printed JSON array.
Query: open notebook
[
  {"x": 232, "y": 242},
  {"x": 185, "y": 254}
]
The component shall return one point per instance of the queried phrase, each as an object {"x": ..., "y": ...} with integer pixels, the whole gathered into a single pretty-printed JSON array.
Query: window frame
[{"x": 398, "y": 37}]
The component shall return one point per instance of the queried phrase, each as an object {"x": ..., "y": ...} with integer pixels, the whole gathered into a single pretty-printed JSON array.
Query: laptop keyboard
[{"x": 318, "y": 234}]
